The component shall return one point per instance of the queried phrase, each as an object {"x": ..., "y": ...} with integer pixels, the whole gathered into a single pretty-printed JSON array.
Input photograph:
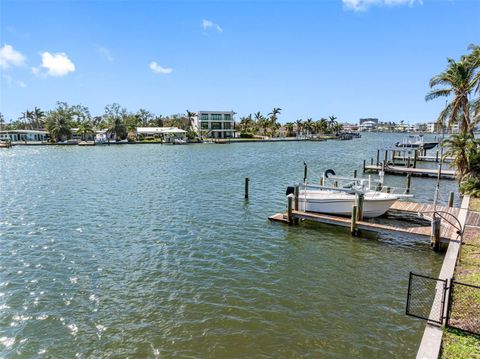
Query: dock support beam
[
  {"x": 247, "y": 180},
  {"x": 289, "y": 208},
  {"x": 353, "y": 224},
  {"x": 409, "y": 181},
  {"x": 436, "y": 226},
  {"x": 360, "y": 198},
  {"x": 451, "y": 197}
]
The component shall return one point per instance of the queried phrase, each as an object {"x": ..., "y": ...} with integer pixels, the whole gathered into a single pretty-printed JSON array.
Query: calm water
[{"x": 151, "y": 251}]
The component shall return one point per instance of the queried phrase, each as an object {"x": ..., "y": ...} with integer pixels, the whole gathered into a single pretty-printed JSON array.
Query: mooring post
[
  {"x": 364, "y": 166},
  {"x": 408, "y": 160},
  {"x": 409, "y": 180},
  {"x": 436, "y": 226},
  {"x": 385, "y": 158},
  {"x": 394, "y": 154},
  {"x": 354, "y": 173},
  {"x": 371, "y": 160},
  {"x": 450, "y": 199},
  {"x": 247, "y": 180},
  {"x": 296, "y": 190},
  {"x": 353, "y": 223},
  {"x": 289, "y": 208},
  {"x": 436, "y": 156},
  {"x": 378, "y": 157},
  {"x": 359, "y": 199},
  {"x": 415, "y": 155},
  {"x": 305, "y": 170}
]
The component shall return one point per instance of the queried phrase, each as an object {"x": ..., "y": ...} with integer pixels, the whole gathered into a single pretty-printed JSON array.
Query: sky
[{"x": 348, "y": 58}]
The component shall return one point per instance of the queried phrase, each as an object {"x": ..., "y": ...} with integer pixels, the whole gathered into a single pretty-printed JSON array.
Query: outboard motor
[
  {"x": 290, "y": 190},
  {"x": 329, "y": 172}
]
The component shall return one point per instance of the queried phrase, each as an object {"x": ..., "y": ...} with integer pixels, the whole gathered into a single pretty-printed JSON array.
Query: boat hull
[{"x": 372, "y": 207}]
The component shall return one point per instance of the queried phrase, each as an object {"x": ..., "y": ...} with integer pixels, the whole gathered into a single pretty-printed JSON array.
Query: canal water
[{"x": 151, "y": 251}]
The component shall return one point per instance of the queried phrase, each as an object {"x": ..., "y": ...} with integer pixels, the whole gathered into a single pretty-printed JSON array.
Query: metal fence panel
[
  {"x": 426, "y": 297},
  {"x": 464, "y": 307}
]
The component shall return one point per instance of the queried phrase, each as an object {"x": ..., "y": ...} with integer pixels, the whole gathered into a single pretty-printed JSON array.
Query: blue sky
[{"x": 350, "y": 58}]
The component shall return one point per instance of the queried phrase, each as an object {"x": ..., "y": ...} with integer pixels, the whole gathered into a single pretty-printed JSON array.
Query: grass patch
[
  {"x": 475, "y": 204},
  {"x": 459, "y": 345}
]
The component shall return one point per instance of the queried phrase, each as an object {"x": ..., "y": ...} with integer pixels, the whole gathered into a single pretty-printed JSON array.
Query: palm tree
[
  {"x": 273, "y": 117},
  {"x": 323, "y": 125},
  {"x": 458, "y": 80},
  {"x": 115, "y": 118},
  {"x": 289, "y": 128},
  {"x": 38, "y": 115},
  {"x": 144, "y": 116},
  {"x": 191, "y": 118},
  {"x": 299, "y": 124},
  {"x": 84, "y": 129},
  {"x": 57, "y": 126},
  {"x": 459, "y": 146}
]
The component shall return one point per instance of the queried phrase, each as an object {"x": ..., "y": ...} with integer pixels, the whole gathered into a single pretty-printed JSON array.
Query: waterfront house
[
  {"x": 215, "y": 124},
  {"x": 166, "y": 134},
  {"x": 24, "y": 136},
  {"x": 367, "y": 126}
]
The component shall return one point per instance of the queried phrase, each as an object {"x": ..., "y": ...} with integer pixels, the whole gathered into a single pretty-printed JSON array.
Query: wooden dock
[
  {"x": 417, "y": 172},
  {"x": 448, "y": 232}
]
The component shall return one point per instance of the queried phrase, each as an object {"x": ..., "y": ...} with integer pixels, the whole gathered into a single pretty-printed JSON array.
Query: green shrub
[
  {"x": 246, "y": 135},
  {"x": 471, "y": 186}
]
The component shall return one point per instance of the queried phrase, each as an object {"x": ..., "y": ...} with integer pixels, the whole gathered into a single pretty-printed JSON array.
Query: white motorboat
[
  {"x": 416, "y": 142},
  {"x": 340, "y": 203}
]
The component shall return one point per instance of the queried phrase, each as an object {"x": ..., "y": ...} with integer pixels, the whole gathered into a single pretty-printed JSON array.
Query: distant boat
[
  {"x": 416, "y": 142},
  {"x": 178, "y": 141}
]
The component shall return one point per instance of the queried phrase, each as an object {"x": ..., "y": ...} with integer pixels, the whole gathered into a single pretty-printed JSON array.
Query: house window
[
  {"x": 227, "y": 117},
  {"x": 216, "y": 117},
  {"x": 204, "y": 125},
  {"x": 216, "y": 126},
  {"x": 204, "y": 117}
]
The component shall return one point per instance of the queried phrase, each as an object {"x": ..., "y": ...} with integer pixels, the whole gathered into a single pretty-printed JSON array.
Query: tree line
[
  {"x": 460, "y": 84},
  {"x": 116, "y": 119},
  {"x": 258, "y": 124}
]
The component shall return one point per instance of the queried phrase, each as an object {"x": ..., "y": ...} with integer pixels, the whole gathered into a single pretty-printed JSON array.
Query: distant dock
[{"x": 417, "y": 172}]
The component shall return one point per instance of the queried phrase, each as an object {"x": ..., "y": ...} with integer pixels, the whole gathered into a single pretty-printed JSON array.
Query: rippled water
[{"x": 151, "y": 251}]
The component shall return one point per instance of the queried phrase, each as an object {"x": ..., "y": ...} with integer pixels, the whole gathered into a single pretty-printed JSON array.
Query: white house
[
  {"x": 367, "y": 126},
  {"x": 24, "y": 136},
  {"x": 215, "y": 124}
]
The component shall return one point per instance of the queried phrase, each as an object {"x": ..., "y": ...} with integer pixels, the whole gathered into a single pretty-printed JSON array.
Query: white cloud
[
  {"x": 207, "y": 24},
  {"x": 362, "y": 5},
  {"x": 156, "y": 68},
  {"x": 10, "y": 57},
  {"x": 106, "y": 53},
  {"x": 56, "y": 64}
]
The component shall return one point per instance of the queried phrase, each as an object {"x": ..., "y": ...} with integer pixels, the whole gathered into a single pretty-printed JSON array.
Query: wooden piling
[
  {"x": 436, "y": 226},
  {"x": 296, "y": 191},
  {"x": 364, "y": 166},
  {"x": 305, "y": 170},
  {"x": 371, "y": 161},
  {"x": 353, "y": 223},
  {"x": 385, "y": 157},
  {"x": 359, "y": 203},
  {"x": 289, "y": 208},
  {"x": 408, "y": 160},
  {"x": 436, "y": 156},
  {"x": 415, "y": 156},
  {"x": 409, "y": 180},
  {"x": 247, "y": 180},
  {"x": 450, "y": 199},
  {"x": 355, "y": 173},
  {"x": 378, "y": 157}
]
